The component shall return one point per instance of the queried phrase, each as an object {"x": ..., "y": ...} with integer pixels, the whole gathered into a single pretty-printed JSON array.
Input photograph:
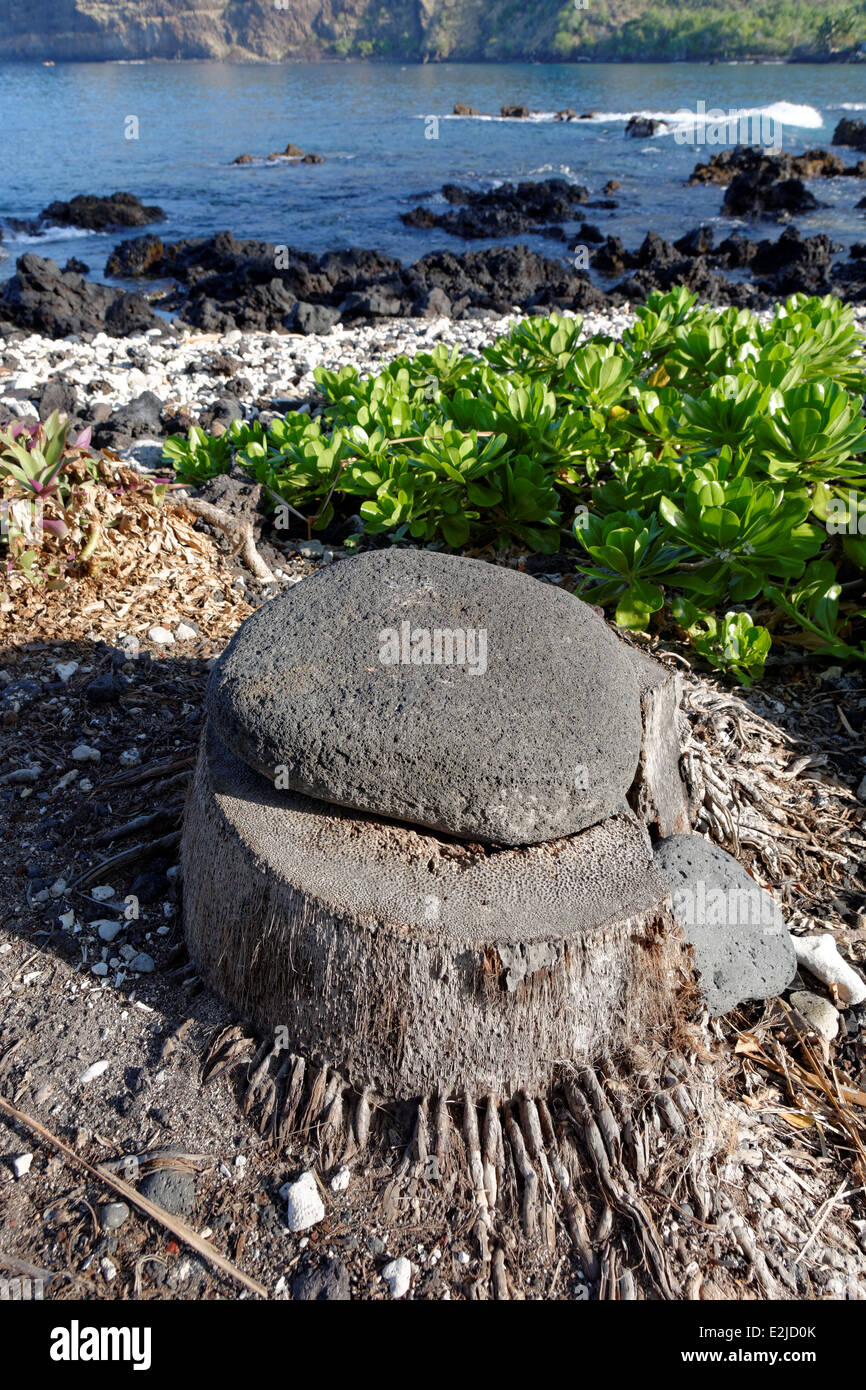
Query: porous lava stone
[{"x": 342, "y": 690}]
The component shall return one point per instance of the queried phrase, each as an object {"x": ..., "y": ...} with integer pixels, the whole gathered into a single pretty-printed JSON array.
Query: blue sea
[{"x": 389, "y": 141}]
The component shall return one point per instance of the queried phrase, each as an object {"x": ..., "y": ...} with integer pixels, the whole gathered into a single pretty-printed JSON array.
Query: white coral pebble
[
  {"x": 93, "y": 1071},
  {"x": 83, "y": 753},
  {"x": 820, "y": 956},
  {"x": 398, "y": 1276},
  {"x": 305, "y": 1207},
  {"x": 340, "y": 1180}
]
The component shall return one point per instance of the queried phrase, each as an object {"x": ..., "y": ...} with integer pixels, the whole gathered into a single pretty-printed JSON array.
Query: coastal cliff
[{"x": 423, "y": 30}]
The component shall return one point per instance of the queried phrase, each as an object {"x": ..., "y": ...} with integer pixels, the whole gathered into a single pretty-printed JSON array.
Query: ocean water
[{"x": 389, "y": 142}]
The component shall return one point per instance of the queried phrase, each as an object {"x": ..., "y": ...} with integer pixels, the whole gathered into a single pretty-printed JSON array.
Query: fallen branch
[
  {"x": 171, "y": 1223},
  {"x": 126, "y": 856},
  {"x": 122, "y": 832},
  {"x": 240, "y": 531},
  {"x": 144, "y": 774}
]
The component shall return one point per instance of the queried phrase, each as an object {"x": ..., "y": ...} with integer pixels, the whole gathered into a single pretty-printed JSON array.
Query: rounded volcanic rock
[
  {"x": 742, "y": 948},
  {"x": 437, "y": 690}
]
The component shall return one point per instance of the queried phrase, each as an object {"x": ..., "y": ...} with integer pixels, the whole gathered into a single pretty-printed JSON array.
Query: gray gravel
[{"x": 108, "y": 373}]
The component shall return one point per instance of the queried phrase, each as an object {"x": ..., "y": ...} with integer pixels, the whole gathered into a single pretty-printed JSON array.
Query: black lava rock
[
  {"x": 850, "y": 132},
  {"x": 136, "y": 258},
  {"x": 106, "y": 689},
  {"x": 504, "y": 211},
  {"x": 753, "y": 195},
  {"x": 327, "y": 1282},
  {"x": 313, "y": 318},
  {"x": 149, "y": 886},
  {"x": 171, "y": 1190},
  {"x": 58, "y": 394},
  {"x": 697, "y": 242},
  {"x": 44, "y": 299},
  {"x": 642, "y": 127},
  {"x": 140, "y": 418},
  {"x": 101, "y": 214}
]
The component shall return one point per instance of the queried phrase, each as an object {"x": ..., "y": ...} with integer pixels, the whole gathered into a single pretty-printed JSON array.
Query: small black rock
[
  {"x": 327, "y": 1282},
  {"x": 106, "y": 688},
  {"x": 135, "y": 1079},
  {"x": 149, "y": 886}
]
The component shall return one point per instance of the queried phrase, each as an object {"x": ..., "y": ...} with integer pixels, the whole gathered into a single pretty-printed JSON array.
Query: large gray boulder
[
  {"x": 437, "y": 690},
  {"x": 741, "y": 945}
]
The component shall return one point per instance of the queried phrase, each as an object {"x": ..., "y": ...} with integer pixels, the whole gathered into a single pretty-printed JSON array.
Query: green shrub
[{"x": 692, "y": 469}]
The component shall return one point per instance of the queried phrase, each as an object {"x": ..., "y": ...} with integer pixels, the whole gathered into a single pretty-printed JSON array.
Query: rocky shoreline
[
  {"x": 221, "y": 328},
  {"x": 221, "y": 283}
]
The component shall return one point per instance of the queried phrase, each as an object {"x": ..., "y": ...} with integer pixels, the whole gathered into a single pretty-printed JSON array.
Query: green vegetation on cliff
[
  {"x": 700, "y": 29},
  {"x": 428, "y": 29}
]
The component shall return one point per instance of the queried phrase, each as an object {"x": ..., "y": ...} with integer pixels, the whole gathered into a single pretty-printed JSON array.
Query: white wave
[
  {"x": 782, "y": 112},
  {"x": 848, "y": 106},
  {"x": 50, "y": 233},
  {"x": 565, "y": 170}
]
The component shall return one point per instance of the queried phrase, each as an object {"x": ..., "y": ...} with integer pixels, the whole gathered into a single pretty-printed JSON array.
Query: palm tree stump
[
  {"x": 416, "y": 964},
  {"x": 529, "y": 1006}
]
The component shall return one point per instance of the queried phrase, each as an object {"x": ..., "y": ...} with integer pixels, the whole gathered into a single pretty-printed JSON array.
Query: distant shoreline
[{"x": 851, "y": 59}]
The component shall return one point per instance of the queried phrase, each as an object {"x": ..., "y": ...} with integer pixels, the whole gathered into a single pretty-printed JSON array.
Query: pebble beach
[{"x": 147, "y": 387}]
